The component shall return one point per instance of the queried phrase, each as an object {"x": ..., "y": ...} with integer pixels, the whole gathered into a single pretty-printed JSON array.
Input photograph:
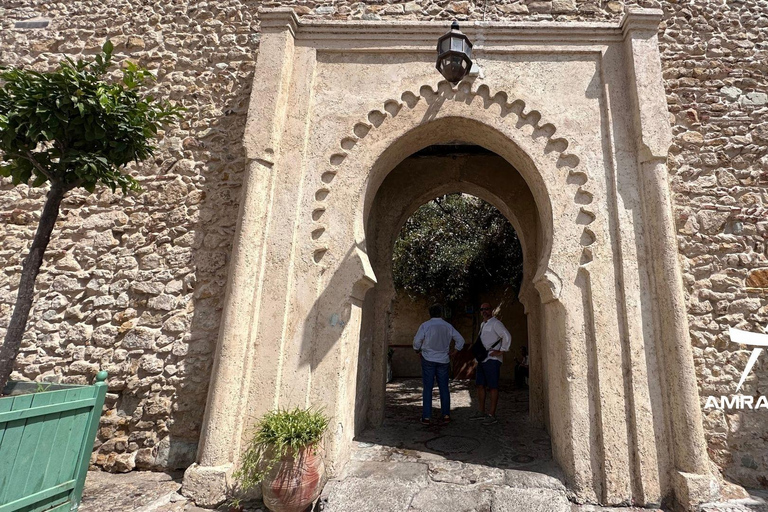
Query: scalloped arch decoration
[{"x": 576, "y": 176}]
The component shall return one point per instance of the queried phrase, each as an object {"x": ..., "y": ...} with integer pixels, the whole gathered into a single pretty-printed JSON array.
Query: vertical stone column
[
  {"x": 207, "y": 481},
  {"x": 335, "y": 350},
  {"x": 536, "y": 351},
  {"x": 575, "y": 443},
  {"x": 382, "y": 303},
  {"x": 691, "y": 478}
]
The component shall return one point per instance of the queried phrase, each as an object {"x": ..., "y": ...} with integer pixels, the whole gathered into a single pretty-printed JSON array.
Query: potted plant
[
  {"x": 46, "y": 438},
  {"x": 285, "y": 455}
]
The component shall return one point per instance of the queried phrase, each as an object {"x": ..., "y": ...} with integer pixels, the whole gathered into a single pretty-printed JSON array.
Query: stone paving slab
[
  {"x": 757, "y": 502},
  {"x": 368, "y": 495},
  {"x": 507, "y": 499},
  {"x": 412, "y": 472},
  {"x": 139, "y": 491},
  {"x": 126, "y": 492},
  {"x": 521, "y": 479},
  {"x": 455, "y": 472},
  {"x": 450, "y": 497}
]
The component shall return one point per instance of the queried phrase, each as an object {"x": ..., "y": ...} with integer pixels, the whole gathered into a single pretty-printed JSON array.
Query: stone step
[{"x": 406, "y": 486}]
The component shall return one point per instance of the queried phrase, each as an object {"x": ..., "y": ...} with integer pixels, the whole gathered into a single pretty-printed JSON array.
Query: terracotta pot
[{"x": 295, "y": 482}]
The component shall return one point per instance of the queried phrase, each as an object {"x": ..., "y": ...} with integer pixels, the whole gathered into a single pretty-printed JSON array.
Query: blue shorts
[{"x": 488, "y": 374}]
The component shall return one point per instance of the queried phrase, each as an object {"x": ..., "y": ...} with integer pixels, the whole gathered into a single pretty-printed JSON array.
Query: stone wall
[
  {"x": 715, "y": 59},
  {"x": 135, "y": 284}
]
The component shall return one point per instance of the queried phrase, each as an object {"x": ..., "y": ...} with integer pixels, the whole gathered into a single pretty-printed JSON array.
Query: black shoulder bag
[{"x": 479, "y": 350}]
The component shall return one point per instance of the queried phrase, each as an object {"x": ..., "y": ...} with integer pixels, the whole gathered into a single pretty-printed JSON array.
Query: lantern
[{"x": 454, "y": 55}]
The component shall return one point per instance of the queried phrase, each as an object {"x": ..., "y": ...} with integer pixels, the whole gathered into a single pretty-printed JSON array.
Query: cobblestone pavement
[{"x": 404, "y": 466}]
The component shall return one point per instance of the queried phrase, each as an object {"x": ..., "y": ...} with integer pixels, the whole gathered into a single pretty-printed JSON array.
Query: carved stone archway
[{"x": 578, "y": 109}]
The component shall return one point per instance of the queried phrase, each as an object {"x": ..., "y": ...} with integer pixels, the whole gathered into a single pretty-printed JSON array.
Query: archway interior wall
[
  {"x": 324, "y": 133},
  {"x": 412, "y": 183}
]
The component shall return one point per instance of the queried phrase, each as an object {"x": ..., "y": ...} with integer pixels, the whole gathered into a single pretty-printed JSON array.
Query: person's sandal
[
  {"x": 425, "y": 421},
  {"x": 446, "y": 420}
]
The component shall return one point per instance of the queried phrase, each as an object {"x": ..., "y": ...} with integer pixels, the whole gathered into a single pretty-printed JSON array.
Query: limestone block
[
  {"x": 151, "y": 364},
  {"x": 151, "y": 288},
  {"x": 104, "y": 220},
  {"x": 207, "y": 486},
  {"x": 459, "y": 7},
  {"x": 692, "y": 490},
  {"x": 139, "y": 337},
  {"x": 412, "y": 7},
  {"x": 66, "y": 284},
  {"x": 515, "y": 8},
  {"x": 712, "y": 221},
  {"x": 756, "y": 99},
  {"x": 758, "y": 278},
  {"x": 731, "y": 93},
  {"x": 540, "y": 6},
  {"x": 564, "y": 6}
]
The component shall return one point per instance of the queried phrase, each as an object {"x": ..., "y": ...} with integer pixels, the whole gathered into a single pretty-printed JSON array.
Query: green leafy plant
[
  {"x": 73, "y": 127},
  {"x": 455, "y": 247},
  {"x": 279, "y": 433},
  {"x": 41, "y": 388}
]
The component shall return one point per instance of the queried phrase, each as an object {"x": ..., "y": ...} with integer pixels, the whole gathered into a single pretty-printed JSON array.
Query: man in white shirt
[
  {"x": 433, "y": 341},
  {"x": 496, "y": 339}
]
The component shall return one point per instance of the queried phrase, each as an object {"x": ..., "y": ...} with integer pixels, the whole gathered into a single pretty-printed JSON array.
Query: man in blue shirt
[{"x": 433, "y": 341}]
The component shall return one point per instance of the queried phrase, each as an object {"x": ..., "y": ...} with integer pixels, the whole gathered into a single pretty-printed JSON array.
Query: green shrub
[{"x": 278, "y": 433}]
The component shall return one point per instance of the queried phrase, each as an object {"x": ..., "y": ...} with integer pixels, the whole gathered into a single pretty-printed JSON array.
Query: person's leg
[
  {"x": 518, "y": 376},
  {"x": 492, "y": 372},
  {"x": 442, "y": 383},
  {"x": 428, "y": 382},
  {"x": 480, "y": 381},
  {"x": 494, "y": 401},
  {"x": 481, "y": 398},
  {"x": 524, "y": 372}
]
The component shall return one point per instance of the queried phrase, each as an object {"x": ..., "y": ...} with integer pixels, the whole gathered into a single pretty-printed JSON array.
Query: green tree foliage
[
  {"x": 455, "y": 247},
  {"x": 73, "y": 128},
  {"x": 69, "y": 128}
]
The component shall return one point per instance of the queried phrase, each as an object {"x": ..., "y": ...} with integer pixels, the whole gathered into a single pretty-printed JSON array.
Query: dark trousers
[
  {"x": 521, "y": 372},
  {"x": 429, "y": 371}
]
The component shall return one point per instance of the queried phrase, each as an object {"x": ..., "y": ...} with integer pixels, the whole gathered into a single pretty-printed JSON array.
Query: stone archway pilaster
[{"x": 693, "y": 482}]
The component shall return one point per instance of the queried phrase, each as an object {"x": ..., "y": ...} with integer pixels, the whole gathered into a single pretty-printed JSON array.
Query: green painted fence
[{"x": 46, "y": 440}]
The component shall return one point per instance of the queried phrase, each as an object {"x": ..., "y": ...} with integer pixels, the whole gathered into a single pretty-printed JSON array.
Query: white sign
[
  {"x": 753, "y": 339},
  {"x": 742, "y": 402}
]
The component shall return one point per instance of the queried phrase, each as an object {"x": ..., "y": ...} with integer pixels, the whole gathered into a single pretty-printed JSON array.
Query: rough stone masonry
[{"x": 134, "y": 285}]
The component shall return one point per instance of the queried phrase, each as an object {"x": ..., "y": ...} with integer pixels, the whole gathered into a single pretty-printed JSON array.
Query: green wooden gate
[{"x": 46, "y": 440}]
